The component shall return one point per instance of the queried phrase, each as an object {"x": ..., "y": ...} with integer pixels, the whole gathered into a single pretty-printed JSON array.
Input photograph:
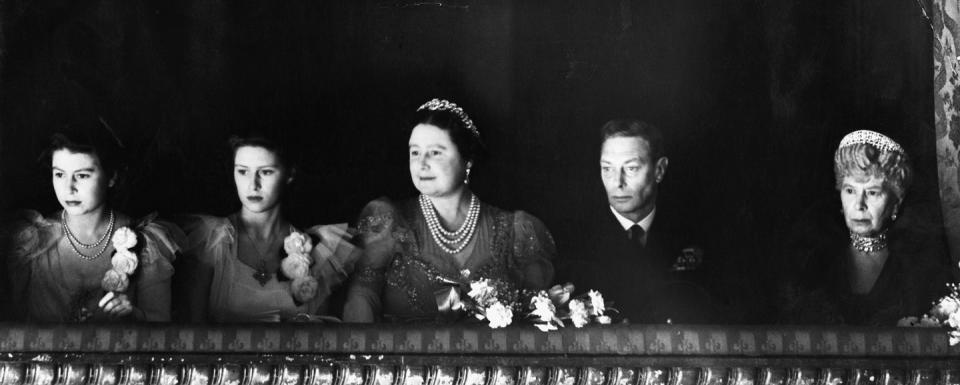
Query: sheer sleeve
[
  {"x": 334, "y": 258},
  {"x": 28, "y": 236},
  {"x": 163, "y": 242},
  {"x": 534, "y": 251},
  {"x": 207, "y": 240},
  {"x": 377, "y": 224}
]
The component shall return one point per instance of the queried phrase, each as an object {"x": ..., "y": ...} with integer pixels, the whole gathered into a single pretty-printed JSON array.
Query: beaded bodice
[{"x": 503, "y": 247}]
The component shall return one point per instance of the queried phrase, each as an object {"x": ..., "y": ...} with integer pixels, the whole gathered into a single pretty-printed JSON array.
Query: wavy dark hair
[
  {"x": 635, "y": 128},
  {"x": 471, "y": 148},
  {"x": 96, "y": 139}
]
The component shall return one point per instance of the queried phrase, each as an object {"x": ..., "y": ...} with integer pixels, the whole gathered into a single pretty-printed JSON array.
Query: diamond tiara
[
  {"x": 446, "y": 105},
  {"x": 876, "y": 139}
]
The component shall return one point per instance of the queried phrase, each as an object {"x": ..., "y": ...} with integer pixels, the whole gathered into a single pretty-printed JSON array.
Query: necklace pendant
[{"x": 262, "y": 276}]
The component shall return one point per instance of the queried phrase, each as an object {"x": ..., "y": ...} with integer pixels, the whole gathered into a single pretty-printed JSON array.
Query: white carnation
[{"x": 499, "y": 315}]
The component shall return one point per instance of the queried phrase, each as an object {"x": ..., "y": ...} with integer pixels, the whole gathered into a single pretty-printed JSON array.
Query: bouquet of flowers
[
  {"x": 494, "y": 301},
  {"x": 549, "y": 308},
  {"x": 945, "y": 312},
  {"x": 296, "y": 266},
  {"x": 123, "y": 263}
]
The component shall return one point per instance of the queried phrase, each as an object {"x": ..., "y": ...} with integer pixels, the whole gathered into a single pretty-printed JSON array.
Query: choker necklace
[
  {"x": 451, "y": 242},
  {"x": 74, "y": 242},
  {"x": 869, "y": 244},
  {"x": 262, "y": 275}
]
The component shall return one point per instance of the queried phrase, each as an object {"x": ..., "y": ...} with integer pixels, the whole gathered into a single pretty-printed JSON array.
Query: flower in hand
[
  {"x": 114, "y": 281},
  {"x": 116, "y": 304},
  {"x": 304, "y": 288}
]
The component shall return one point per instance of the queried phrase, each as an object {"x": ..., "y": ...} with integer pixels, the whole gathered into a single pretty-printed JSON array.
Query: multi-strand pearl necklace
[
  {"x": 451, "y": 242},
  {"x": 74, "y": 242},
  {"x": 869, "y": 244}
]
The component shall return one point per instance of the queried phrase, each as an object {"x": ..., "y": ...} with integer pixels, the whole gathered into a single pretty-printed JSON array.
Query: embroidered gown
[
  {"x": 235, "y": 295},
  {"x": 45, "y": 285},
  {"x": 514, "y": 247}
]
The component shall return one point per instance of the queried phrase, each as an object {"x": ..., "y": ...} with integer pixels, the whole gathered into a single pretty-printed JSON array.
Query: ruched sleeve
[
  {"x": 334, "y": 258},
  {"x": 162, "y": 245},
  {"x": 534, "y": 251},
  {"x": 28, "y": 236},
  {"x": 208, "y": 240},
  {"x": 378, "y": 225}
]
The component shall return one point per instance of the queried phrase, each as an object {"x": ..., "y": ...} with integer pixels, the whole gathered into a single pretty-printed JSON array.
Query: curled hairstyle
[
  {"x": 255, "y": 139},
  {"x": 635, "y": 128},
  {"x": 94, "y": 139},
  {"x": 868, "y": 160},
  {"x": 469, "y": 145}
]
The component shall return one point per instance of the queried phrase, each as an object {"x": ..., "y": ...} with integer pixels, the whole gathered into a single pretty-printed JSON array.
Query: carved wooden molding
[
  {"x": 476, "y": 339},
  {"x": 303, "y": 354}
]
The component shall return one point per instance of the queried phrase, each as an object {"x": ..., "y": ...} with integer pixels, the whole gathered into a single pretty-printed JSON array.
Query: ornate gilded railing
[{"x": 473, "y": 355}]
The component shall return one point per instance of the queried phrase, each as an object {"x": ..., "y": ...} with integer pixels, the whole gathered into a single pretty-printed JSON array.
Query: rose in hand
[
  {"x": 115, "y": 304},
  {"x": 115, "y": 281}
]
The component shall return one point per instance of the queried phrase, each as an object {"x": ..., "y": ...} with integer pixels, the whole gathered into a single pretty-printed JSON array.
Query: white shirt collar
[{"x": 645, "y": 223}]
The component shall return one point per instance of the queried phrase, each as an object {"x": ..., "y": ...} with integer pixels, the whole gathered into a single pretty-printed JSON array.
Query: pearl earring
[{"x": 466, "y": 180}]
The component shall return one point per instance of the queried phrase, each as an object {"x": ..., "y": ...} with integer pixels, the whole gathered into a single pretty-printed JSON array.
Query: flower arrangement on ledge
[
  {"x": 493, "y": 301},
  {"x": 946, "y": 312}
]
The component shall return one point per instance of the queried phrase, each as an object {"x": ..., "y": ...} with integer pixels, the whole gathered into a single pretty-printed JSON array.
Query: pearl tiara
[
  {"x": 876, "y": 139},
  {"x": 446, "y": 105}
]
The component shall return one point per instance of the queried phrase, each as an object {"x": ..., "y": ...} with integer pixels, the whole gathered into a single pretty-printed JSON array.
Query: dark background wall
[{"x": 753, "y": 97}]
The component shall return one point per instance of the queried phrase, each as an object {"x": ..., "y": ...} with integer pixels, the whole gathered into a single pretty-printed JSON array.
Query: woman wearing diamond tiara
[
  {"x": 89, "y": 261},
  {"x": 254, "y": 265},
  {"x": 445, "y": 235},
  {"x": 869, "y": 263}
]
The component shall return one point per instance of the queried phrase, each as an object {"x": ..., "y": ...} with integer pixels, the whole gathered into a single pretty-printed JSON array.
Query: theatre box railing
[{"x": 311, "y": 354}]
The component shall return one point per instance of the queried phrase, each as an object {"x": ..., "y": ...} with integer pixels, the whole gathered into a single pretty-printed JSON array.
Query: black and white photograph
[{"x": 471, "y": 192}]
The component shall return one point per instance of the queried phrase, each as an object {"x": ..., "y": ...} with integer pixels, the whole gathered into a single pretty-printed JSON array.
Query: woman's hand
[{"x": 116, "y": 304}]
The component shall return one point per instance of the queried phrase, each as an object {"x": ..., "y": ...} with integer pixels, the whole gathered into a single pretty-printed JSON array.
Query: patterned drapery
[{"x": 946, "y": 77}]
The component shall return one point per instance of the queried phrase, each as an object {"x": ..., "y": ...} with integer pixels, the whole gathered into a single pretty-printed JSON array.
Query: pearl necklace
[
  {"x": 869, "y": 244},
  {"x": 74, "y": 242},
  {"x": 457, "y": 240}
]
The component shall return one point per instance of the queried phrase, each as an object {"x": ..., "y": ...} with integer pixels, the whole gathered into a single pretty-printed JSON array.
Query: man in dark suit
[{"x": 643, "y": 260}]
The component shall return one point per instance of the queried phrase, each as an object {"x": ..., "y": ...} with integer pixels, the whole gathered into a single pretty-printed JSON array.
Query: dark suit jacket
[{"x": 641, "y": 282}]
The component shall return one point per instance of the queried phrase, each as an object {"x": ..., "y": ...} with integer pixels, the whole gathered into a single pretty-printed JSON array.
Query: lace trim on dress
[
  {"x": 369, "y": 275},
  {"x": 409, "y": 260}
]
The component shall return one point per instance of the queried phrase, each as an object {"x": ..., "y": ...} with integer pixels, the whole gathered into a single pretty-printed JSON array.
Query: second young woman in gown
[
  {"x": 234, "y": 267},
  {"x": 446, "y": 234}
]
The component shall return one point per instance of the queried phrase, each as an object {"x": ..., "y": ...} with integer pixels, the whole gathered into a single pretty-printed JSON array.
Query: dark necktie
[{"x": 636, "y": 234}]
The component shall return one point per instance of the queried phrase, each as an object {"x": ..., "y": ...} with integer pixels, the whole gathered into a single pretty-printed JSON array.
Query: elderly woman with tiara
[
  {"x": 446, "y": 234},
  {"x": 864, "y": 265}
]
